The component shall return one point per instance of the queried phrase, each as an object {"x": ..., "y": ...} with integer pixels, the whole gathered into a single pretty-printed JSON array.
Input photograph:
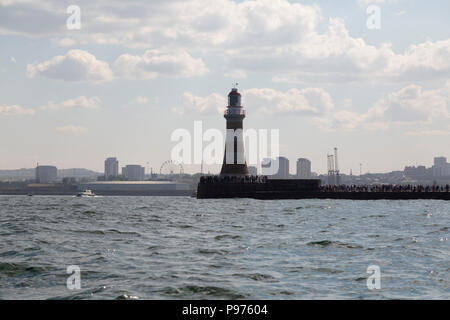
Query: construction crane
[
  {"x": 333, "y": 168},
  {"x": 336, "y": 168},
  {"x": 330, "y": 159}
]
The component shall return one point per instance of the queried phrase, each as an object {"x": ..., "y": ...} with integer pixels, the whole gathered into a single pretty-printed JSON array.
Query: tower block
[{"x": 234, "y": 163}]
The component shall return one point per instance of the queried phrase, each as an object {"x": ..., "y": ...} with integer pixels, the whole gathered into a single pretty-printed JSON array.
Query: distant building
[
  {"x": 441, "y": 168},
  {"x": 419, "y": 172},
  {"x": 253, "y": 171},
  {"x": 283, "y": 168},
  {"x": 303, "y": 168},
  {"x": 111, "y": 168},
  {"x": 276, "y": 168},
  {"x": 440, "y": 161},
  {"x": 133, "y": 172},
  {"x": 46, "y": 174}
]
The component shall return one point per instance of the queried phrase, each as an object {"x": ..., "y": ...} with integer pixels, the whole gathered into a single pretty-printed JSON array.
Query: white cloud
[
  {"x": 337, "y": 57},
  {"x": 410, "y": 105},
  {"x": 425, "y": 61},
  {"x": 364, "y": 3},
  {"x": 72, "y": 129},
  {"x": 140, "y": 100},
  {"x": 80, "y": 102},
  {"x": 428, "y": 133},
  {"x": 154, "y": 63},
  {"x": 235, "y": 74},
  {"x": 66, "y": 42},
  {"x": 310, "y": 101},
  {"x": 198, "y": 24},
  {"x": 31, "y": 18},
  {"x": 15, "y": 110},
  {"x": 212, "y": 104},
  {"x": 277, "y": 37},
  {"x": 80, "y": 65},
  {"x": 75, "y": 65}
]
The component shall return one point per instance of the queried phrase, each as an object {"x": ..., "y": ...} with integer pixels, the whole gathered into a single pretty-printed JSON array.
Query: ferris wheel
[{"x": 170, "y": 167}]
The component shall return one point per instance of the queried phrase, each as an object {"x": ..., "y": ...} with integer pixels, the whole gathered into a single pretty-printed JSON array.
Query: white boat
[{"x": 86, "y": 193}]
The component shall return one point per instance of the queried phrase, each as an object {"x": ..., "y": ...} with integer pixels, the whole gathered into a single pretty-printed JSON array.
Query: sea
[{"x": 63, "y": 247}]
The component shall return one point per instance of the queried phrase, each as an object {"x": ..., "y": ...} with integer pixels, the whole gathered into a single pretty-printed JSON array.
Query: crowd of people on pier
[
  {"x": 332, "y": 188},
  {"x": 385, "y": 188},
  {"x": 233, "y": 179}
]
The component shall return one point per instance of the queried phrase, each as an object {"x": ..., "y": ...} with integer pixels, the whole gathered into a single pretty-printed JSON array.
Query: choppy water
[{"x": 183, "y": 248}]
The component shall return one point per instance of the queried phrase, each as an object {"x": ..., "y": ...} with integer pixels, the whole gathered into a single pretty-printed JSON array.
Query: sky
[{"x": 372, "y": 81}]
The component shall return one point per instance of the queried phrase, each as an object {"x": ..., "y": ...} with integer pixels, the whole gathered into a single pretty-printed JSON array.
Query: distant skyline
[
  {"x": 135, "y": 72},
  {"x": 292, "y": 173}
]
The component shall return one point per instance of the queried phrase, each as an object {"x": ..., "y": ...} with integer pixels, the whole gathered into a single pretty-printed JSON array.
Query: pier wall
[
  {"x": 301, "y": 189},
  {"x": 224, "y": 189}
]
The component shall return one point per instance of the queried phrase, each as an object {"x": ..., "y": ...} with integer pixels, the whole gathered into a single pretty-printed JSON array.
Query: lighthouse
[{"x": 234, "y": 163}]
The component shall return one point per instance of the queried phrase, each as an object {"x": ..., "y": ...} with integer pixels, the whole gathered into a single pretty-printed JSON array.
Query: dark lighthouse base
[
  {"x": 214, "y": 188},
  {"x": 298, "y": 189}
]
